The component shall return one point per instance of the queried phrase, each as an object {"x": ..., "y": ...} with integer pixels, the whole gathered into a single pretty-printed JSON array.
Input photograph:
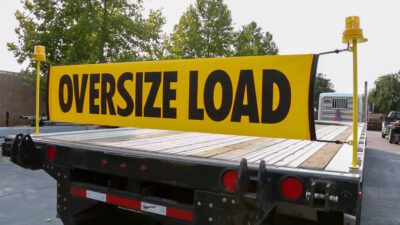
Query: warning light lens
[
  {"x": 352, "y": 22},
  {"x": 291, "y": 188},
  {"x": 229, "y": 179},
  {"x": 51, "y": 153}
]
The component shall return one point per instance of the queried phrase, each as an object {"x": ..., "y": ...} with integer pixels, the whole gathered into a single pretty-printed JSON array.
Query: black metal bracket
[
  {"x": 25, "y": 154},
  {"x": 14, "y": 150},
  {"x": 249, "y": 204},
  {"x": 62, "y": 175},
  {"x": 258, "y": 200},
  {"x": 244, "y": 194},
  {"x": 214, "y": 208}
]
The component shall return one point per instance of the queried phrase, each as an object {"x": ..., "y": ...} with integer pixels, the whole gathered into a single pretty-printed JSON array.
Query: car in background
[{"x": 392, "y": 117}]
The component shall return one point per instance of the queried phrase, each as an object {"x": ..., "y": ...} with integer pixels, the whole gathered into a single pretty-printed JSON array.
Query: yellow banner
[{"x": 268, "y": 96}]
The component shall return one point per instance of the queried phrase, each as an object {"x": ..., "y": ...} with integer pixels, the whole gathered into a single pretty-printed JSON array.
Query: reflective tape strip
[
  {"x": 96, "y": 196},
  {"x": 123, "y": 202},
  {"x": 134, "y": 204},
  {"x": 180, "y": 214},
  {"x": 78, "y": 192},
  {"x": 152, "y": 208}
]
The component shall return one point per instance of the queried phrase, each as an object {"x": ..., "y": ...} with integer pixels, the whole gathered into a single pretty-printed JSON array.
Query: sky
[{"x": 298, "y": 27}]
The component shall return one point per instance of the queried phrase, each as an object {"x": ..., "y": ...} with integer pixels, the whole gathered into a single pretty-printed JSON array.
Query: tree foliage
[
  {"x": 101, "y": 31},
  {"x": 322, "y": 85},
  {"x": 250, "y": 40},
  {"x": 386, "y": 94},
  {"x": 87, "y": 31},
  {"x": 206, "y": 30}
]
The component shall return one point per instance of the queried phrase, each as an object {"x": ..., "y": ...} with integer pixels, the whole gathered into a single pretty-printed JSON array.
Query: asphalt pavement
[
  {"x": 29, "y": 197},
  {"x": 381, "y": 194}
]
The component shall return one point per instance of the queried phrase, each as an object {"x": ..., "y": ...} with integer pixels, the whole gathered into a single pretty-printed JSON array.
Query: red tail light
[
  {"x": 51, "y": 153},
  {"x": 291, "y": 188},
  {"x": 229, "y": 180}
]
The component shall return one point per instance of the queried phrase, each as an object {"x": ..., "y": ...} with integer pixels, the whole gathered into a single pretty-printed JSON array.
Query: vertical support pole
[
  {"x": 365, "y": 101},
  {"x": 37, "y": 97},
  {"x": 355, "y": 106}
]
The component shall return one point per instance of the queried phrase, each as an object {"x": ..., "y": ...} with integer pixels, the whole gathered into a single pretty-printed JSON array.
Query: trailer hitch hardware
[{"x": 322, "y": 195}]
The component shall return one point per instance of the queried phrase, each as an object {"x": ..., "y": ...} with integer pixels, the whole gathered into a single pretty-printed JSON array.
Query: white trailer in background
[{"x": 339, "y": 106}]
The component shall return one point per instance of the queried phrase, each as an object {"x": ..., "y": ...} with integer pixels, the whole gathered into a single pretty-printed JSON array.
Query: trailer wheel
[{"x": 330, "y": 218}]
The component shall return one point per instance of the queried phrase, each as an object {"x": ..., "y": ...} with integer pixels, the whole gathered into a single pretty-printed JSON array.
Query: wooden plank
[
  {"x": 98, "y": 134},
  {"x": 190, "y": 147},
  {"x": 281, "y": 148},
  {"x": 237, "y": 154},
  {"x": 341, "y": 162},
  {"x": 157, "y": 143},
  {"x": 304, "y": 154},
  {"x": 320, "y": 159},
  {"x": 175, "y": 143},
  {"x": 299, "y": 156},
  {"x": 274, "y": 149},
  {"x": 228, "y": 148},
  {"x": 236, "y": 140},
  {"x": 111, "y": 140}
]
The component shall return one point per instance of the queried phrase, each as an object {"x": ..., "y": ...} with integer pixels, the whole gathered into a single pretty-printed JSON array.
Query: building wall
[{"x": 17, "y": 98}]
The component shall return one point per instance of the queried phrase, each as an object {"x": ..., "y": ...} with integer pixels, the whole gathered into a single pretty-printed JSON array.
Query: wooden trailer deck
[{"x": 276, "y": 152}]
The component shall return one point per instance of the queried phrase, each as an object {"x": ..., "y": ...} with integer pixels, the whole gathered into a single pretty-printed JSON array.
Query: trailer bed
[{"x": 274, "y": 151}]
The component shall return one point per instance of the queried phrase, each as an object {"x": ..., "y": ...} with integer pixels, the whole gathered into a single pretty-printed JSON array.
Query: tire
[{"x": 383, "y": 135}]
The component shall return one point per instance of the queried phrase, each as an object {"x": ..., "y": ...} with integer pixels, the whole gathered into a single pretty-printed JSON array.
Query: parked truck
[
  {"x": 393, "y": 116},
  {"x": 239, "y": 166}
]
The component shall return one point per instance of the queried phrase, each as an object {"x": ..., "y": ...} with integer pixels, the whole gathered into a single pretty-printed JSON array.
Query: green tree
[
  {"x": 250, "y": 40},
  {"x": 322, "y": 85},
  {"x": 386, "y": 94},
  {"x": 204, "y": 30},
  {"x": 86, "y": 31}
]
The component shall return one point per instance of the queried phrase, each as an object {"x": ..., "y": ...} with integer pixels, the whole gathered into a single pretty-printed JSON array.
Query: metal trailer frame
[{"x": 137, "y": 176}]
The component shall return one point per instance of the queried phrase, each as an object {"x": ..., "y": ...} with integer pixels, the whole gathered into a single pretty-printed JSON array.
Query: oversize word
[{"x": 74, "y": 89}]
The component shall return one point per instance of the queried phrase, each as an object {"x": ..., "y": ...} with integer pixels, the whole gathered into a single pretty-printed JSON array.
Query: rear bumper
[{"x": 257, "y": 189}]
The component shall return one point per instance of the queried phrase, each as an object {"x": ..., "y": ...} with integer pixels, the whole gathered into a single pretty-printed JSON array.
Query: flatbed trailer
[{"x": 108, "y": 176}]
